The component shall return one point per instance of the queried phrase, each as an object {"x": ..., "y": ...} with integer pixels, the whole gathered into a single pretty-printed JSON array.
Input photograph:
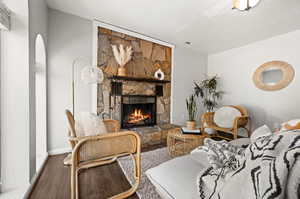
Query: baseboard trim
[
  {"x": 60, "y": 151},
  {"x": 36, "y": 177}
]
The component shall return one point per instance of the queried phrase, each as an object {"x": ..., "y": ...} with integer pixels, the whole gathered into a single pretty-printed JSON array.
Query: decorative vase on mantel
[
  {"x": 159, "y": 74},
  {"x": 122, "y": 71},
  {"x": 122, "y": 56}
]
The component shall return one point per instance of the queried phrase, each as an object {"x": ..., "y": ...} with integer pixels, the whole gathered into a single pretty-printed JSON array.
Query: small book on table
[{"x": 185, "y": 130}]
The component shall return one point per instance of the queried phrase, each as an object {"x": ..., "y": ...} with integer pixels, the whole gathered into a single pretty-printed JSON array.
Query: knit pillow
[
  {"x": 262, "y": 131},
  {"x": 222, "y": 154},
  {"x": 89, "y": 124}
]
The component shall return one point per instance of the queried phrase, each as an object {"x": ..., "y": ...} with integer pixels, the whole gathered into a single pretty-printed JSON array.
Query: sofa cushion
[
  {"x": 241, "y": 142},
  {"x": 224, "y": 117},
  {"x": 177, "y": 178}
]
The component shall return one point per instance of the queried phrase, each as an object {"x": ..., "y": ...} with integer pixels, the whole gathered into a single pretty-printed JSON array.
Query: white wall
[
  {"x": 15, "y": 99},
  {"x": 41, "y": 150},
  {"x": 37, "y": 25},
  {"x": 69, "y": 37},
  {"x": 236, "y": 67},
  {"x": 189, "y": 67}
]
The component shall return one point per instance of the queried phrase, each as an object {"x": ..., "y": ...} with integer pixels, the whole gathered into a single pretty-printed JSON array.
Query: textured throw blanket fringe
[{"x": 270, "y": 169}]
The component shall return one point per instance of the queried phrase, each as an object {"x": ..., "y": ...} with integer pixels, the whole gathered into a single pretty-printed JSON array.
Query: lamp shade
[{"x": 92, "y": 75}]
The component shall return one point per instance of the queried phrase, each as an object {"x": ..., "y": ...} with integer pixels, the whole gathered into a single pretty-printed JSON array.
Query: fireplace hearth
[{"x": 137, "y": 111}]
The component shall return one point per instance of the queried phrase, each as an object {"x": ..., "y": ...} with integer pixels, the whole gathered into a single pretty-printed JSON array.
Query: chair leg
[
  {"x": 74, "y": 183},
  {"x": 235, "y": 133},
  {"x": 77, "y": 184},
  {"x": 249, "y": 129}
]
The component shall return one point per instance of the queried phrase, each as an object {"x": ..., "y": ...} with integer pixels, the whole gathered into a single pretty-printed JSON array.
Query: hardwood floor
[{"x": 100, "y": 182}]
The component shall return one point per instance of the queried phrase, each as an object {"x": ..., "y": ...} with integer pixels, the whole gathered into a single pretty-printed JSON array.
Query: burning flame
[{"x": 137, "y": 115}]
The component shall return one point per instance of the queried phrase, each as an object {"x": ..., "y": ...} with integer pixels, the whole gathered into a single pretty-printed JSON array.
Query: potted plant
[
  {"x": 207, "y": 90},
  {"x": 191, "y": 107}
]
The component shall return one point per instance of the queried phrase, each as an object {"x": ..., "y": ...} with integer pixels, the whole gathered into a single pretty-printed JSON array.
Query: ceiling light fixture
[{"x": 244, "y": 5}]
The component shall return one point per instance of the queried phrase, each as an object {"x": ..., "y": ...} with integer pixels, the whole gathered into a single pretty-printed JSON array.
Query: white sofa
[{"x": 178, "y": 177}]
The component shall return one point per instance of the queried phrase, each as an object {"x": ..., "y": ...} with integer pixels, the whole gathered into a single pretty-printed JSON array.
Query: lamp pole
[{"x": 73, "y": 81}]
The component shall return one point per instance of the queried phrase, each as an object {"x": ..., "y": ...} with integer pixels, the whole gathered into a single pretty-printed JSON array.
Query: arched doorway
[{"x": 40, "y": 101}]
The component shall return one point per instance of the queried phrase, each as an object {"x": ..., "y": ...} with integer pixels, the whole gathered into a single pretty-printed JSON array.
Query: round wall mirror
[{"x": 274, "y": 75}]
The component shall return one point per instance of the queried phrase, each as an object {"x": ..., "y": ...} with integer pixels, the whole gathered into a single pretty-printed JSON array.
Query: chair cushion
[
  {"x": 224, "y": 117},
  {"x": 89, "y": 124}
]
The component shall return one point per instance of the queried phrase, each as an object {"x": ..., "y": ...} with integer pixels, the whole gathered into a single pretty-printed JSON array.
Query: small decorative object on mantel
[
  {"x": 192, "y": 110},
  {"x": 159, "y": 74},
  {"x": 122, "y": 57}
]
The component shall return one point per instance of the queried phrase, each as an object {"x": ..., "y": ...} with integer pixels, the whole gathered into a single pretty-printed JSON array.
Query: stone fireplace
[
  {"x": 137, "y": 102},
  {"x": 138, "y": 111}
]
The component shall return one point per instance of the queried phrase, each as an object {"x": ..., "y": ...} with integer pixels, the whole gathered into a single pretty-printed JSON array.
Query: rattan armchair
[
  {"x": 207, "y": 121},
  {"x": 111, "y": 126},
  {"x": 104, "y": 149}
]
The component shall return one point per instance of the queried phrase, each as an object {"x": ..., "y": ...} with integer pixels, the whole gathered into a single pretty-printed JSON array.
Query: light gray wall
[
  {"x": 236, "y": 67},
  {"x": 38, "y": 19},
  {"x": 189, "y": 67},
  {"x": 69, "y": 37},
  {"x": 15, "y": 99}
]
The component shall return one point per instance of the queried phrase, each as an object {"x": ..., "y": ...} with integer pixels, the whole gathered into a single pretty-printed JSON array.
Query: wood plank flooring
[{"x": 100, "y": 182}]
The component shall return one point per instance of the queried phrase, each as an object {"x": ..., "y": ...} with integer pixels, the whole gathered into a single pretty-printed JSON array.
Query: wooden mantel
[{"x": 138, "y": 79}]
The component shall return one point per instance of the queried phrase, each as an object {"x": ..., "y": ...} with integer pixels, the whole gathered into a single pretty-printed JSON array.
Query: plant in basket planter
[
  {"x": 122, "y": 57},
  {"x": 191, "y": 107},
  {"x": 207, "y": 90}
]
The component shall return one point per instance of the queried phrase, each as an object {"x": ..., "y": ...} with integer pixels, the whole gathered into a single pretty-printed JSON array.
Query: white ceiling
[{"x": 211, "y": 25}]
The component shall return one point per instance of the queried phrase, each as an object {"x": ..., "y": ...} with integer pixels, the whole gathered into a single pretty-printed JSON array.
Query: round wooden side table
[{"x": 180, "y": 144}]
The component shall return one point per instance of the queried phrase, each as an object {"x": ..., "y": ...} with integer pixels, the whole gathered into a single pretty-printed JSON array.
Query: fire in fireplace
[
  {"x": 138, "y": 116},
  {"x": 137, "y": 110}
]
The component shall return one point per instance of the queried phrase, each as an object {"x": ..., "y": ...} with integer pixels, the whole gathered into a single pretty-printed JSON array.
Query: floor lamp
[{"x": 89, "y": 75}]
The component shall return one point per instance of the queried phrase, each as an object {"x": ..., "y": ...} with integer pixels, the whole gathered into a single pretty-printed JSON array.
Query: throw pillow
[
  {"x": 222, "y": 154},
  {"x": 224, "y": 117},
  {"x": 291, "y": 125},
  {"x": 89, "y": 124},
  {"x": 262, "y": 131}
]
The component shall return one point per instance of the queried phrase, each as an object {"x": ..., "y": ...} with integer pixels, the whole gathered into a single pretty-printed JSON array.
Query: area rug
[{"x": 149, "y": 159}]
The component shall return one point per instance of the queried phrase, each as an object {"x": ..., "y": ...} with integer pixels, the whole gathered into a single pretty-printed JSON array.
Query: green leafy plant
[
  {"x": 191, "y": 106},
  {"x": 207, "y": 90}
]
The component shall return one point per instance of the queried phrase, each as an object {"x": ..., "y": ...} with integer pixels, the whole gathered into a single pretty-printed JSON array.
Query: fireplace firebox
[{"x": 137, "y": 111}]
